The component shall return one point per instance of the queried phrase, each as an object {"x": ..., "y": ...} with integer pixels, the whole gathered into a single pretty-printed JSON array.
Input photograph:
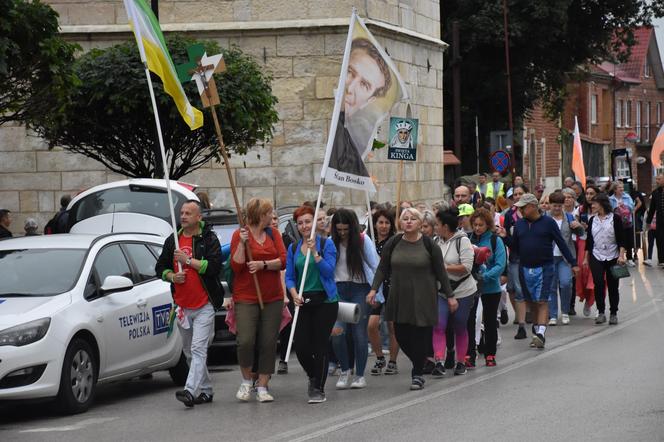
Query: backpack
[
  {"x": 625, "y": 215},
  {"x": 475, "y": 272},
  {"x": 52, "y": 226},
  {"x": 428, "y": 244},
  {"x": 227, "y": 270}
]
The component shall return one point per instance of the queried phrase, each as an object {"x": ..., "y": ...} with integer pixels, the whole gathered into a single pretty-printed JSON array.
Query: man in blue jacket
[{"x": 533, "y": 239}]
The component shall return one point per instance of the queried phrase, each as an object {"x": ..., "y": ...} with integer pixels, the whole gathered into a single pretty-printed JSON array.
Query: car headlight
[{"x": 25, "y": 334}]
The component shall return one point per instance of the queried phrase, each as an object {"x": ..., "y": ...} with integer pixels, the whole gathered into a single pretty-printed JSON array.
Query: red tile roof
[{"x": 632, "y": 70}]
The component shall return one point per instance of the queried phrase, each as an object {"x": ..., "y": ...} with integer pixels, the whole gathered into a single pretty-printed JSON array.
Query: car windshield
[
  {"x": 39, "y": 272},
  {"x": 134, "y": 199}
]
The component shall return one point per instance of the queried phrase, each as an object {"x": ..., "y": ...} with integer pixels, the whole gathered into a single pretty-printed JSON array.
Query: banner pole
[
  {"x": 338, "y": 98},
  {"x": 304, "y": 271},
  {"x": 399, "y": 175},
  {"x": 370, "y": 217},
  {"x": 163, "y": 161}
]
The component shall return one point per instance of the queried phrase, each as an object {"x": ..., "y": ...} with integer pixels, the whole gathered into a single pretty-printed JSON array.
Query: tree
[
  {"x": 549, "y": 40},
  {"x": 35, "y": 62},
  {"x": 109, "y": 116}
]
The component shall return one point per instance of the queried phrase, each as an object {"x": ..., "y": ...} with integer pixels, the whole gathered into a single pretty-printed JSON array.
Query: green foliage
[
  {"x": 109, "y": 116},
  {"x": 35, "y": 62},
  {"x": 549, "y": 39}
]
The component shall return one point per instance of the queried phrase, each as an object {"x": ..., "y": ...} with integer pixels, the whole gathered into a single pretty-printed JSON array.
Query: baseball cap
[
  {"x": 465, "y": 210},
  {"x": 526, "y": 199}
]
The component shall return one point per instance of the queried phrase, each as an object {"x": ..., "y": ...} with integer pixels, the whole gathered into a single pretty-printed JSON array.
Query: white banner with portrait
[{"x": 369, "y": 87}]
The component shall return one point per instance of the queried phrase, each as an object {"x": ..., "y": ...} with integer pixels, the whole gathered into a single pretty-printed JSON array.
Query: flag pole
[
  {"x": 328, "y": 153},
  {"x": 370, "y": 217},
  {"x": 399, "y": 175},
  {"x": 163, "y": 160}
]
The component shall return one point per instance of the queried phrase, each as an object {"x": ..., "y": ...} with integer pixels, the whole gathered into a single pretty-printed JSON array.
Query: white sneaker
[
  {"x": 344, "y": 380},
  {"x": 648, "y": 262},
  {"x": 586, "y": 309},
  {"x": 553, "y": 321},
  {"x": 661, "y": 264},
  {"x": 565, "y": 319},
  {"x": 631, "y": 263},
  {"x": 359, "y": 382},
  {"x": 244, "y": 392},
  {"x": 264, "y": 396}
]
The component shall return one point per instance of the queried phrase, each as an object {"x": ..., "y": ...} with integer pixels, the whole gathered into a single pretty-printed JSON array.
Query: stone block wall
[{"x": 304, "y": 59}]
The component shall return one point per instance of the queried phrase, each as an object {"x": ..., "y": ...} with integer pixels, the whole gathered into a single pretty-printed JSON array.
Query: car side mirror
[{"x": 113, "y": 284}]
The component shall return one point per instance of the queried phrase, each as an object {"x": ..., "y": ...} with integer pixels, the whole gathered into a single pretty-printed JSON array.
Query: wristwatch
[{"x": 188, "y": 261}]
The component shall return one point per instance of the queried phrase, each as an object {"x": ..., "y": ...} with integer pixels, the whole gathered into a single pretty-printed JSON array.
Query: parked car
[
  {"x": 142, "y": 201},
  {"x": 77, "y": 310}
]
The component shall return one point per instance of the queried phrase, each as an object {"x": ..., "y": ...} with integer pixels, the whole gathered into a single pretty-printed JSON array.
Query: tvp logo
[{"x": 160, "y": 315}]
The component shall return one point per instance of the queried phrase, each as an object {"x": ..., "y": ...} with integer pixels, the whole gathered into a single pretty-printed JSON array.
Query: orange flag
[
  {"x": 577, "y": 156},
  {"x": 657, "y": 149}
]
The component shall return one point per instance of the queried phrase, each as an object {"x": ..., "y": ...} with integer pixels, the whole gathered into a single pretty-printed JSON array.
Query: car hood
[{"x": 19, "y": 310}]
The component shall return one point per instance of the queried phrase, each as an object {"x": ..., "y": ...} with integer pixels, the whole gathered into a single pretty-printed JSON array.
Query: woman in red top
[{"x": 257, "y": 330}]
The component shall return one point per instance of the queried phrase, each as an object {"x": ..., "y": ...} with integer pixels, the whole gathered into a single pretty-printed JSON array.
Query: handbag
[{"x": 619, "y": 271}]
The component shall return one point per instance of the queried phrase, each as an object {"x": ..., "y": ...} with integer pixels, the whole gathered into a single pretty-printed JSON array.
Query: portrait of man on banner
[{"x": 371, "y": 88}]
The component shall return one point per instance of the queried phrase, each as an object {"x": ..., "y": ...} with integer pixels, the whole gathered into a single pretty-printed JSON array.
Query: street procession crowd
[{"x": 434, "y": 282}]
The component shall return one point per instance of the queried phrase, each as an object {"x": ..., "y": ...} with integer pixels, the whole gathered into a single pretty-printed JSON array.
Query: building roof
[{"x": 632, "y": 71}]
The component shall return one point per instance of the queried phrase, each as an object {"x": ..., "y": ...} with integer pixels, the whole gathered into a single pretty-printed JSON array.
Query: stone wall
[{"x": 304, "y": 58}]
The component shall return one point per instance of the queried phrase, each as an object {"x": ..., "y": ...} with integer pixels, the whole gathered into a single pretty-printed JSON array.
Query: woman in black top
[{"x": 383, "y": 220}]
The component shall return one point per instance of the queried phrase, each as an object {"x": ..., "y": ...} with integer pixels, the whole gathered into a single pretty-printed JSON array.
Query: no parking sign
[{"x": 500, "y": 161}]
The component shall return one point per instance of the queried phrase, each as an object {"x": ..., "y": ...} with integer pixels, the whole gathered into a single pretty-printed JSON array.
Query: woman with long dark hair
[
  {"x": 383, "y": 220},
  {"x": 605, "y": 248},
  {"x": 585, "y": 288},
  {"x": 356, "y": 265}
]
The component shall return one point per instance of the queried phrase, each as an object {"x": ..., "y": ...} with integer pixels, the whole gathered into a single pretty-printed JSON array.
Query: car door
[
  {"x": 125, "y": 317},
  {"x": 157, "y": 294}
]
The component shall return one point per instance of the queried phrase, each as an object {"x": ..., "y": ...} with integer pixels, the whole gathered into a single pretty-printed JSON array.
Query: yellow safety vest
[{"x": 489, "y": 190}]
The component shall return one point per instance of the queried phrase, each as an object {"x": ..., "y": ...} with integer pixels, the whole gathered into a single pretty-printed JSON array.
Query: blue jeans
[
  {"x": 357, "y": 293},
  {"x": 562, "y": 280}
]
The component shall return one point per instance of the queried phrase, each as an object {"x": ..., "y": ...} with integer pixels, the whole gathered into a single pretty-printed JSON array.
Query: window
[
  {"x": 638, "y": 120},
  {"x": 143, "y": 260},
  {"x": 593, "y": 109},
  {"x": 646, "y": 70},
  {"x": 39, "y": 272},
  {"x": 627, "y": 114},
  {"x": 619, "y": 106},
  {"x": 622, "y": 167},
  {"x": 659, "y": 114},
  {"x": 647, "y": 121},
  {"x": 111, "y": 262}
]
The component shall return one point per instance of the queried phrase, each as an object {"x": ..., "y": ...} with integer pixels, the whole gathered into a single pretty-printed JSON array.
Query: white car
[
  {"x": 127, "y": 205},
  {"x": 78, "y": 309}
]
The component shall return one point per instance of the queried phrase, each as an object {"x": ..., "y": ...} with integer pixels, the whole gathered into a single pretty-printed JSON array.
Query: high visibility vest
[{"x": 489, "y": 190}]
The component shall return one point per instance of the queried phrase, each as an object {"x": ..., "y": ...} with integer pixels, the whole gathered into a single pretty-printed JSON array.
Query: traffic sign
[{"x": 500, "y": 161}]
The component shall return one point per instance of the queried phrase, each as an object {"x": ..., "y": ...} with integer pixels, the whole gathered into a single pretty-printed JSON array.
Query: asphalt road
[{"x": 590, "y": 383}]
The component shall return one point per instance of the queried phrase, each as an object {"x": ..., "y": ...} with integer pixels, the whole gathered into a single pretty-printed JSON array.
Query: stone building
[
  {"x": 619, "y": 106},
  {"x": 301, "y": 44}
]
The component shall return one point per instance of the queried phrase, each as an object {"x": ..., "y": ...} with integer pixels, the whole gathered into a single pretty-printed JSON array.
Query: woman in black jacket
[{"x": 605, "y": 247}]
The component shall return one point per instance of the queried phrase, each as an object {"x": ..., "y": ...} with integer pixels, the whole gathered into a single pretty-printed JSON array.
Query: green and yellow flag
[{"x": 153, "y": 50}]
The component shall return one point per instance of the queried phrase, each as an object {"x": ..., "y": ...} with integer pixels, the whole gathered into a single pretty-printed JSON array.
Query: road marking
[
  {"x": 401, "y": 402},
  {"x": 77, "y": 426}
]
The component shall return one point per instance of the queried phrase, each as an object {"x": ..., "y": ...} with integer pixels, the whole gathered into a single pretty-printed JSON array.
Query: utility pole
[
  {"x": 509, "y": 87},
  {"x": 456, "y": 94}
]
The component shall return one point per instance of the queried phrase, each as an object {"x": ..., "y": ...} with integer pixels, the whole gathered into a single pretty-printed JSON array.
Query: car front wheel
[
  {"x": 78, "y": 379},
  {"x": 180, "y": 371}
]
